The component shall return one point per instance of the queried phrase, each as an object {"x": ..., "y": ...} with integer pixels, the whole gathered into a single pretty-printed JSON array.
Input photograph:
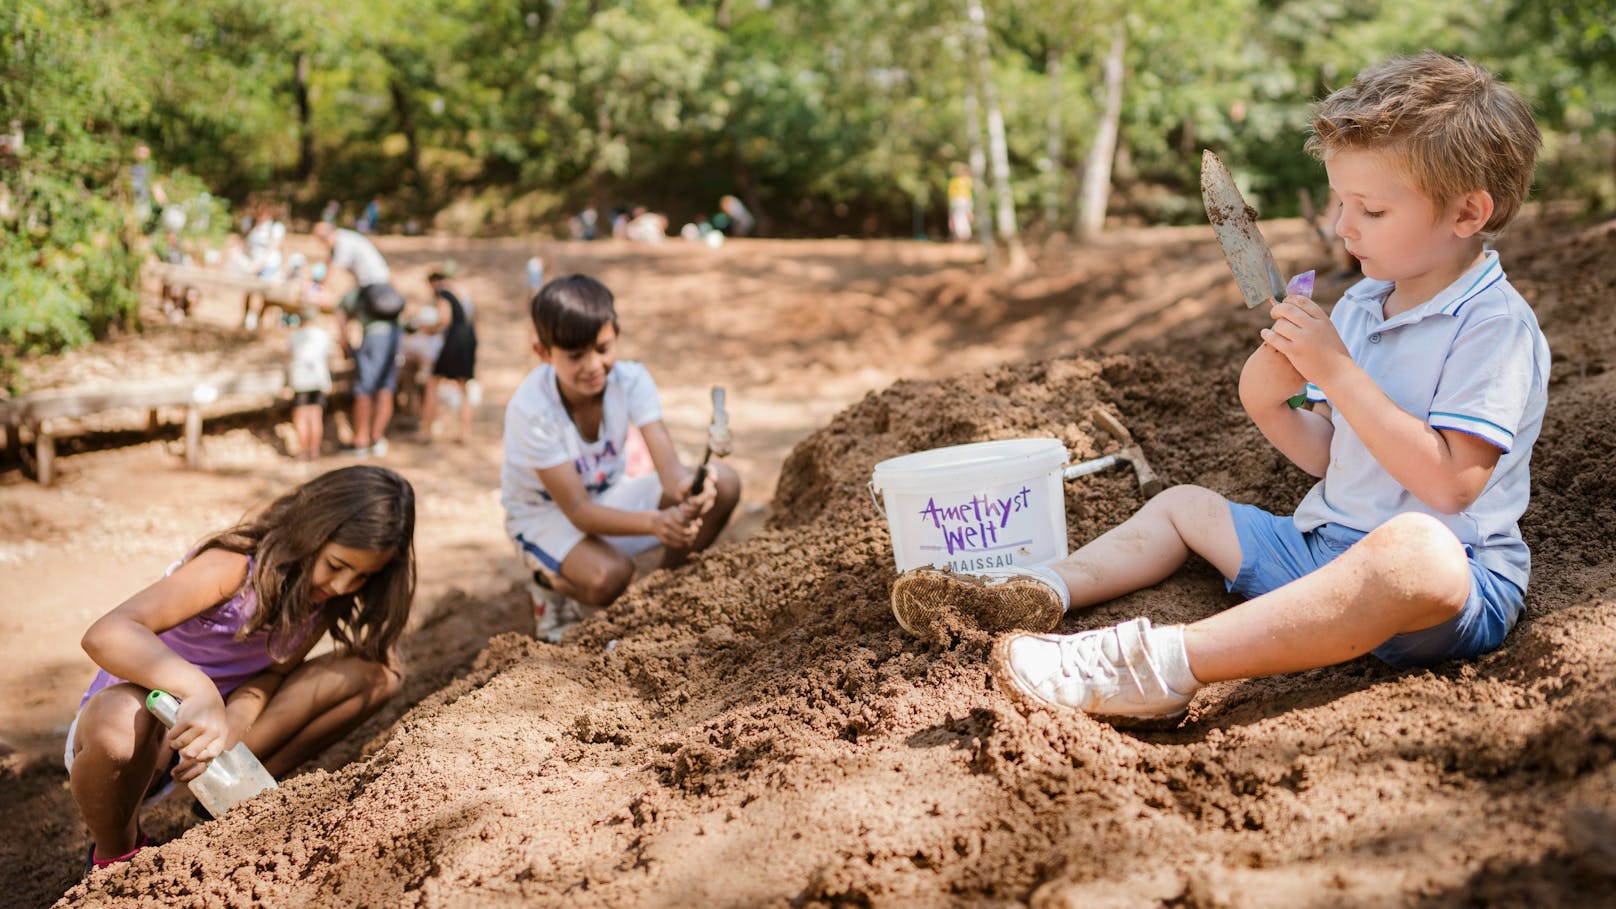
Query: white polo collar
[{"x": 1371, "y": 294}]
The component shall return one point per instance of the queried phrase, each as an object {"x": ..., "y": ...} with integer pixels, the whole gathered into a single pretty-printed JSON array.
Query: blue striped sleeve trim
[
  {"x": 1492, "y": 275},
  {"x": 1474, "y": 426},
  {"x": 1315, "y": 394}
]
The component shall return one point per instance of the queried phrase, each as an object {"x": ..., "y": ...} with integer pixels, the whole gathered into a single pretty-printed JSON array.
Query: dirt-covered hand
[
  {"x": 1303, "y": 333},
  {"x": 1271, "y": 371},
  {"x": 705, "y": 499},
  {"x": 677, "y": 525},
  {"x": 201, "y": 732}
]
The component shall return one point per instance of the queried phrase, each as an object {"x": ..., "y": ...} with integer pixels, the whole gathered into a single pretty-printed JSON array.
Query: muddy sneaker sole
[
  {"x": 921, "y": 599},
  {"x": 1026, "y": 699}
]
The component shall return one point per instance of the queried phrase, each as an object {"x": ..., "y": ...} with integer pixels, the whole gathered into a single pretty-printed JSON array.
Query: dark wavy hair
[
  {"x": 569, "y": 312},
  {"x": 362, "y": 507}
]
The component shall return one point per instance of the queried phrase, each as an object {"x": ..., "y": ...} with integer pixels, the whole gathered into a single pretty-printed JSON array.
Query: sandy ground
[{"x": 761, "y": 732}]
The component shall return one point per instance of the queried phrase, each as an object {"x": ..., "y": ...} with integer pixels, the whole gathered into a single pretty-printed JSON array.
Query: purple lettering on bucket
[{"x": 974, "y": 524}]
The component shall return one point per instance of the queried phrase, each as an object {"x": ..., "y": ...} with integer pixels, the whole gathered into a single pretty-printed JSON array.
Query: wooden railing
[{"x": 44, "y": 412}]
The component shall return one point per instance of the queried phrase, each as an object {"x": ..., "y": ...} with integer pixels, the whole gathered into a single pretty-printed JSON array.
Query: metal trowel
[
  {"x": 1235, "y": 224},
  {"x": 719, "y": 440}
]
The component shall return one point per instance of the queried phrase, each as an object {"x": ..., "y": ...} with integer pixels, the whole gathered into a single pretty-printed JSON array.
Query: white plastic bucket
[{"x": 969, "y": 507}]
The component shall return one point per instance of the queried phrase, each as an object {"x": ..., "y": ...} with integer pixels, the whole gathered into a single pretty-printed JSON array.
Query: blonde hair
[{"x": 1449, "y": 123}]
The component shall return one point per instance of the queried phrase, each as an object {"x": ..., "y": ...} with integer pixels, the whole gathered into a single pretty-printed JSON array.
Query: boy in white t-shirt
[{"x": 574, "y": 515}]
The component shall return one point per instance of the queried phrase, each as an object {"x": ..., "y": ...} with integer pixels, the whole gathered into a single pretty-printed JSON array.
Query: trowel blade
[{"x": 1235, "y": 224}]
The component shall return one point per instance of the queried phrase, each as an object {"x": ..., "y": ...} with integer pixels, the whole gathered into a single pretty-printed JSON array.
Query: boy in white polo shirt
[
  {"x": 575, "y": 516},
  {"x": 1426, "y": 388}
]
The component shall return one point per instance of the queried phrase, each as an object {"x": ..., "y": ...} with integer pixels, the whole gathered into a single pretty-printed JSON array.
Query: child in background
[
  {"x": 575, "y": 519},
  {"x": 960, "y": 210},
  {"x": 309, "y": 373},
  {"x": 418, "y": 351},
  {"x": 1426, "y": 388},
  {"x": 228, "y": 631},
  {"x": 533, "y": 273},
  {"x": 456, "y": 363}
]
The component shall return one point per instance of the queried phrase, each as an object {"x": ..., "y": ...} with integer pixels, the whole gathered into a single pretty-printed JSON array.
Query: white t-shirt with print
[
  {"x": 540, "y": 434},
  {"x": 310, "y": 369}
]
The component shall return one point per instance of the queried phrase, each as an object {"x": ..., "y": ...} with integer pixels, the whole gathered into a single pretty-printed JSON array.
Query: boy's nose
[{"x": 1344, "y": 226}]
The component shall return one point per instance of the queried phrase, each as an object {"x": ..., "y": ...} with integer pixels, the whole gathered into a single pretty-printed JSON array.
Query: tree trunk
[
  {"x": 1097, "y": 169},
  {"x": 1050, "y": 168},
  {"x": 305, "y": 114},
  {"x": 597, "y": 169},
  {"x": 979, "y": 177},
  {"x": 404, "y": 108},
  {"x": 998, "y": 148}
]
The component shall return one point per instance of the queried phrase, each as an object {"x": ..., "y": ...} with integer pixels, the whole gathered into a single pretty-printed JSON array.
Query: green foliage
[{"x": 826, "y": 116}]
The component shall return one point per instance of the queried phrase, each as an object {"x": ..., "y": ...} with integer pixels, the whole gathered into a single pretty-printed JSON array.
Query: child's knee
[
  {"x": 602, "y": 582},
  {"x": 729, "y": 484},
  {"x": 115, "y": 727},
  {"x": 383, "y": 681},
  {"x": 1421, "y": 559},
  {"x": 1188, "y": 502}
]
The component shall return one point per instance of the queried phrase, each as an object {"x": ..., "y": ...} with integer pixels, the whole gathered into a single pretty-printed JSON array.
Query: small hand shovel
[{"x": 719, "y": 440}]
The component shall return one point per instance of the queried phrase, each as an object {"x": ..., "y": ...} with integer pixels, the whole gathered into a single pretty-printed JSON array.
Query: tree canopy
[{"x": 826, "y": 116}]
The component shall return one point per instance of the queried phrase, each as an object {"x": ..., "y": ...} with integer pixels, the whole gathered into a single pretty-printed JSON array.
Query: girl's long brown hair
[{"x": 363, "y": 507}]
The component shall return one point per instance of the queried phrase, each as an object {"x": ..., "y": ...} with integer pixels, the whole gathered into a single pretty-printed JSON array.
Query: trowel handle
[
  {"x": 1094, "y": 465},
  {"x": 701, "y": 474},
  {"x": 163, "y": 706}
]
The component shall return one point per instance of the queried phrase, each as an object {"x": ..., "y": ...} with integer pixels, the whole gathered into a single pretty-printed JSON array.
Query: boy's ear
[
  {"x": 1472, "y": 212},
  {"x": 543, "y": 351}
]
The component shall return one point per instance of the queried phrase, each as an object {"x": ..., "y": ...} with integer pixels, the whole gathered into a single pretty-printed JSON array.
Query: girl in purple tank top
[{"x": 228, "y": 631}]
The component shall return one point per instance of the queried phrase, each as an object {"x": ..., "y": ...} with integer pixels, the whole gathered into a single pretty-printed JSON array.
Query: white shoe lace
[
  {"x": 1084, "y": 656},
  {"x": 1106, "y": 674}
]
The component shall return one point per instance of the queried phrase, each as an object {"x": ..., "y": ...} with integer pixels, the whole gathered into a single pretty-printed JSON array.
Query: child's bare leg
[
  {"x": 594, "y": 573},
  {"x": 1148, "y": 547},
  {"x": 429, "y": 408},
  {"x": 384, "y": 414},
  {"x": 303, "y": 424},
  {"x": 1409, "y": 574},
  {"x": 713, "y": 522},
  {"x": 116, "y": 751},
  {"x": 316, "y": 430},
  {"x": 320, "y": 702},
  {"x": 364, "y": 408},
  {"x": 465, "y": 411}
]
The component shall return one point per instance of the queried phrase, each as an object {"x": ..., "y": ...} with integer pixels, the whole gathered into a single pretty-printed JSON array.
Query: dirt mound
[{"x": 755, "y": 729}]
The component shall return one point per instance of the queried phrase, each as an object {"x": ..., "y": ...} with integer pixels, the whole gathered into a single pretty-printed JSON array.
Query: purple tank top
[{"x": 207, "y": 641}]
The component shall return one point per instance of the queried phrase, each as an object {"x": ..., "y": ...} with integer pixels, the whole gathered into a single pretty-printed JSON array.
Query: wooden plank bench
[
  {"x": 284, "y": 295},
  {"x": 42, "y": 411}
]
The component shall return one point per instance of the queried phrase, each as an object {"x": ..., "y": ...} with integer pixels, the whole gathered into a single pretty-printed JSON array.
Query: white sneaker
[
  {"x": 379, "y": 448},
  {"x": 1017, "y": 597},
  {"x": 553, "y": 613},
  {"x": 1117, "y": 674}
]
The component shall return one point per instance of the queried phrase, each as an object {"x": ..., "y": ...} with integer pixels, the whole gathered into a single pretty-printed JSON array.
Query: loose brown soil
[{"x": 754, "y": 729}]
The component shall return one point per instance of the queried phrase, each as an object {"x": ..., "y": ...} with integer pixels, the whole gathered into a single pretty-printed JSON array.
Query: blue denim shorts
[
  {"x": 1274, "y": 553},
  {"x": 376, "y": 360}
]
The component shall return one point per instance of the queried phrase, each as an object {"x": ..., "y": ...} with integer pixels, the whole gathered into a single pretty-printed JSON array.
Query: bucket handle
[{"x": 875, "y": 497}]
